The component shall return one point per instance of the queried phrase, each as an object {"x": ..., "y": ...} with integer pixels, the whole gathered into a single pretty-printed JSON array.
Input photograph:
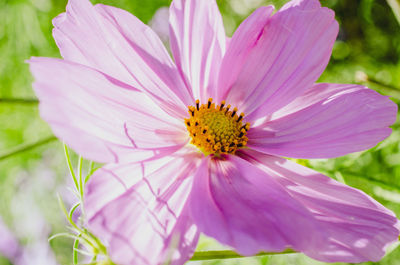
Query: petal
[
  {"x": 242, "y": 42},
  {"x": 117, "y": 43},
  {"x": 242, "y": 206},
  {"x": 139, "y": 210},
  {"x": 305, "y": 4},
  {"x": 329, "y": 120},
  {"x": 101, "y": 118},
  {"x": 279, "y": 61},
  {"x": 198, "y": 43},
  {"x": 357, "y": 227}
]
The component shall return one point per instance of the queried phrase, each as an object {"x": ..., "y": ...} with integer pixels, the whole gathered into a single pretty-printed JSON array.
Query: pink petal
[
  {"x": 280, "y": 58},
  {"x": 198, "y": 43},
  {"x": 117, "y": 43},
  {"x": 101, "y": 118},
  {"x": 242, "y": 42},
  {"x": 140, "y": 211},
  {"x": 329, "y": 120},
  {"x": 357, "y": 227},
  {"x": 242, "y": 206},
  {"x": 306, "y": 4}
]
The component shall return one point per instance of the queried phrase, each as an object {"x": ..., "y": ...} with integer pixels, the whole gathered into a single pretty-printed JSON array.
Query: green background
[{"x": 369, "y": 41}]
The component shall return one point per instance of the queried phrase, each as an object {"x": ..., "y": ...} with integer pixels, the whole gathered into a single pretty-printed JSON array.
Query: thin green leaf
[
  {"x": 94, "y": 259},
  {"x": 71, "y": 212},
  {"x": 92, "y": 169},
  {"x": 91, "y": 166},
  {"x": 27, "y": 147},
  {"x": 386, "y": 89},
  {"x": 62, "y": 206},
  {"x": 71, "y": 169},
  {"x": 21, "y": 101},
  {"x": 74, "y": 191},
  {"x": 87, "y": 178},
  {"x": 101, "y": 247},
  {"x": 68, "y": 235},
  {"x": 75, "y": 251},
  {"x": 83, "y": 252},
  {"x": 75, "y": 228},
  {"x": 81, "y": 187},
  {"x": 84, "y": 236},
  {"x": 228, "y": 254}
]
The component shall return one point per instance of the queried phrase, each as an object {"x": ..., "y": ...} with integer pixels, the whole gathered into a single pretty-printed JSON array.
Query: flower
[
  {"x": 179, "y": 163},
  {"x": 9, "y": 246},
  {"x": 37, "y": 252},
  {"x": 159, "y": 23}
]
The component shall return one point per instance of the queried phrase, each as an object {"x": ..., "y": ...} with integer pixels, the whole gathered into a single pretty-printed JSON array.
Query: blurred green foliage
[{"x": 369, "y": 41}]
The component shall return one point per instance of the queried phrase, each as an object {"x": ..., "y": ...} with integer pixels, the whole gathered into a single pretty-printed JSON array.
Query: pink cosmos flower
[
  {"x": 9, "y": 245},
  {"x": 117, "y": 97}
]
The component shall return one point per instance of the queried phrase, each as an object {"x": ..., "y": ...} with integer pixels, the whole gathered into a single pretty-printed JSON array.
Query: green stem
[
  {"x": 228, "y": 254},
  {"x": 81, "y": 186},
  {"x": 75, "y": 252},
  {"x": 386, "y": 89},
  {"x": 376, "y": 82},
  {"x": 71, "y": 169},
  {"x": 27, "y": 147},
  {"x": 22, "y": 101}
]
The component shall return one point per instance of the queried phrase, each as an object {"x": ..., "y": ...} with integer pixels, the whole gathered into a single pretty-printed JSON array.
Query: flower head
[
  {"x": 179, "y": 163},
  {"x": 215, "y": 129}
]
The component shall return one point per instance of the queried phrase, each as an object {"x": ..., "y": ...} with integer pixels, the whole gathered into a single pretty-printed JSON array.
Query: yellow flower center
[{"x": 215, "y": 129}]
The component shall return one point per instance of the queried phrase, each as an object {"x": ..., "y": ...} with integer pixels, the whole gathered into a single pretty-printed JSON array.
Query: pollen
[{"x": 216, "y": 129}]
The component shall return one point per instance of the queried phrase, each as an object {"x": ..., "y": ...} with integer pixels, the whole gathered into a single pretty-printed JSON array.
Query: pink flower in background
[
  {"x": 159, "y": 23},
  {"x": 9, "y": 245},
  {"x": 119, "y": 98},
  {"x": 35, "y": 251}
]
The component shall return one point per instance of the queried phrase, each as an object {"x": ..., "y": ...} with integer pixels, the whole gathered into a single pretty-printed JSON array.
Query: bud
[{"x": 361, "y": 77}]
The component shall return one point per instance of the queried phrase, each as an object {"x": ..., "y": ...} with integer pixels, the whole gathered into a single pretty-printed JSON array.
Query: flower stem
[
  {"x": 228, "y": 254},
  {"x": 22, "y": 101},
  {"x": 71, "y": 168},
  {"x": 386, "y": 89},
  {"x": 27, "y": 147},
  {"x": 391, "y": 90}
]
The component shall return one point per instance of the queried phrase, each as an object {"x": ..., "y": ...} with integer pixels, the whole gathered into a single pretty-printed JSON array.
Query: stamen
[
  {"x": 209, "y": 103},
  {"x": 234, "y": 112},
  {"x": 241, "y": 116},
  {"x": 243, "y": 132},
  {"x": 216, "y": 130},
  {"x": 227, "y": 108},
  {"x": 222, "y": 105},
  {"x": 246, "y": 126}
]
